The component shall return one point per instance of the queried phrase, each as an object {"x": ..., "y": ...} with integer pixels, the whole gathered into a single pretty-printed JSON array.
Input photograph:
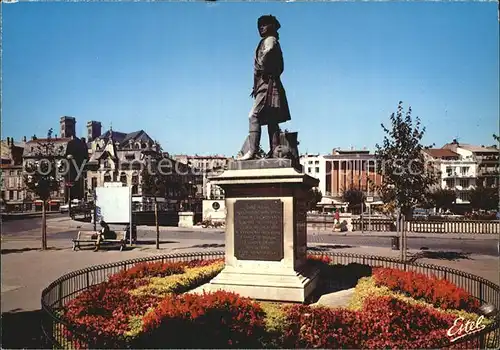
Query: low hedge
[{"x": 439, "y": 292}]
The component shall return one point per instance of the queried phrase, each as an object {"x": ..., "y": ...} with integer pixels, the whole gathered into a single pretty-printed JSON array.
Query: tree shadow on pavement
[
  {"x": 152, "y": 241},
  {"x": 442, "y": 255},
  {"x": 21, "y": 330},
  {"x": 327, "y": 247},
  {"x": 22, "y": 250},
  {"x": 206, "y": 246}
]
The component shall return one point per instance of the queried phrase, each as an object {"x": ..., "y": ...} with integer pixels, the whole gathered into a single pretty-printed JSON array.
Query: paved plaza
[{"x": 26, "y": 270}]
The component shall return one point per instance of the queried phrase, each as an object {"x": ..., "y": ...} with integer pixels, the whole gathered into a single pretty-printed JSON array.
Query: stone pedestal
[
  {"x": 266, "y": 237},
  {"x": 186, "y": 219}
]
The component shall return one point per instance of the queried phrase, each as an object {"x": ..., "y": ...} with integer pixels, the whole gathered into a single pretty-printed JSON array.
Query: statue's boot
[
  {"x": 274, "y": 139},
  {"x": 254, "y": 141}
]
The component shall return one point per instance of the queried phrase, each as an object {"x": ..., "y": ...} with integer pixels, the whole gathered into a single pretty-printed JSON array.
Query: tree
[
  {"x": 443, "y": 199},
  {"x": 154, "y": 184},
  {"x": 484, "y": 198},
  {"x": 355, "y": 197},
  {"x": 41, "y": 175},
  {"x": 401, "y": 162},
  {"x": 315, "y": 197}
]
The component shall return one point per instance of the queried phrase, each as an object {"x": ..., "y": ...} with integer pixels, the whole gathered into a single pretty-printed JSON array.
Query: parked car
[{"x": 64, "y": 208}]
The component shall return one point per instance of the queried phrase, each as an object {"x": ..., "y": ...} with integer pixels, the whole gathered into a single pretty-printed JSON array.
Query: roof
[
  {"x": 60, "y": 149},
  {"x": 53, "y": 139},
  {"x": 441, "y": 153},
  {"x": 116, "y": 135},
  {"x": 216, "y": 156},
  {"x": 123, "y": 138},
  {"x": 357, "y": 156},
  {"x": 472, "y": 148}
]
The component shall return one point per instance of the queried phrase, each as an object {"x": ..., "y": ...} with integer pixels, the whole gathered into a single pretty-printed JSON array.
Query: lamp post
[
  {"x": 190, "y": 192},
  {"x": 69, "y": 184}
]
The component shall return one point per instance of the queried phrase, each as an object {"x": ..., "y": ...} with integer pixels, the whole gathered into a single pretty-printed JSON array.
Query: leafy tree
[
  {"x": 355, "y": 197},
  {"x": 154, "y": 184},
  {"x": 41, "y": 177},
  {"x": 484, "y": 198},
  {"x": 315, "y": 197},
  {"x": 443, "y": 199},
  {"x": 401, "y": 162}
]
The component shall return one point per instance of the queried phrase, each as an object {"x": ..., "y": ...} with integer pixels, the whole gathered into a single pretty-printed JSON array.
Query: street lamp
[
  {"x": 190, "y": 189},
  {"x": 69, "y": 157}
]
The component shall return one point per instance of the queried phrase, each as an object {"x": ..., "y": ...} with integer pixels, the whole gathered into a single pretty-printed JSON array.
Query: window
[
  {"x": 450, "y": 183},
  {"x": 123, "y": 178},
  {"x": 316, "y": 162},
  {"x": 464, "y": 196},
  {"x": 309, "y": 170},
  {"x": 464, "y": 170},
  {"x": 135, "y": 179},
  {"x": 11, "y": 195},
  {"x": 317, "y": 169},
  {"x": 310, "y": 162},
  {"x": 464, "y": 183},
  {"x": 449, "y": 171},
  {"x": 94, "y": 182}
]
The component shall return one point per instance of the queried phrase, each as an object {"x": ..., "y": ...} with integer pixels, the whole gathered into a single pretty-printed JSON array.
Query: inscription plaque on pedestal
[{"x": 258, "y": 230}]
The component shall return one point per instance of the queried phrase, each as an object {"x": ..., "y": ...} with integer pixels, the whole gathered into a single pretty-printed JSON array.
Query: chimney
[{"x": 24, "y": 138}]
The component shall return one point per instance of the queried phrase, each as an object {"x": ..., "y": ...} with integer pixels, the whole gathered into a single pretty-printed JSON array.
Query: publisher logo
[{"x": 462, "y": 328}]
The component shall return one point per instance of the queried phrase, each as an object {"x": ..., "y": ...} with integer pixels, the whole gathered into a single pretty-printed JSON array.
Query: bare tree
[
  {"x": 154, "y": 184},
  {"x": 41, "y": 175}
]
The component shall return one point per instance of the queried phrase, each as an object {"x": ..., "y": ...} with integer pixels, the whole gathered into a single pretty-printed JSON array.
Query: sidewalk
[{"x": 487, "y": 236}]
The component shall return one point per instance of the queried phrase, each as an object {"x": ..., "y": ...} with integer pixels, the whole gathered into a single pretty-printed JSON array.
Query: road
[{"x": 30, "y": 229}]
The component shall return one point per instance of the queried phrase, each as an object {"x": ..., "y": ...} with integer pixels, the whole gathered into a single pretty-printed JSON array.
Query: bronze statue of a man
[{"x": 270, "y": 103}]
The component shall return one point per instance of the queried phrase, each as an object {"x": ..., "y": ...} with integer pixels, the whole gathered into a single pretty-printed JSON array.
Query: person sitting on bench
[{"x": 106, "y": 233}]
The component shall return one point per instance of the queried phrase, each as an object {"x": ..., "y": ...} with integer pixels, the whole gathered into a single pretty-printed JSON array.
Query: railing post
[
  {"x": 60, "y": 291},
  {"x": 88, "y": 280},
  {"x": 481, "y": 297}
]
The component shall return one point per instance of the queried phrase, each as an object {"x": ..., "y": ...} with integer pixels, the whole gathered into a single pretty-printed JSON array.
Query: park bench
[{"x": 91, "y": 237}]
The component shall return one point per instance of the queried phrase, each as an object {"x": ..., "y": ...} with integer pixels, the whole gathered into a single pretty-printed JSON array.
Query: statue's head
[{"x": 268, "y": 25}]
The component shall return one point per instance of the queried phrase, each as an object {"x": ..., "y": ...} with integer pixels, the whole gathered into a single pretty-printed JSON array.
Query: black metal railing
[
  {"x": 430, "y": 226},
  {"x": 67, "y": 287}
]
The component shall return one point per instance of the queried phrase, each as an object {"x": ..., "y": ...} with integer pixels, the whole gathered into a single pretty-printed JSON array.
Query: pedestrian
[
  {"x": 337, "y": 216},
  {"x": 105, "y": 233}
]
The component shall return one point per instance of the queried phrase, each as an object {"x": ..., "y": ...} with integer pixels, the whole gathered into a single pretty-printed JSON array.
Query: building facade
[
  {"x": 121, "y": 157},
  {"x": 487, "y": 159},
  {"x": 457, "y": 172},
  {"x": 352, "y": 169},
  {"x": 206, "y": 166},
  {"x": 315, "y": 165},
  {"x": 13, "y": 195}
]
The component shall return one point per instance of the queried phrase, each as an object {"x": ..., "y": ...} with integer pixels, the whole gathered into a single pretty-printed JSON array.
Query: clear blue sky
[{"x": 183, "y": 71}]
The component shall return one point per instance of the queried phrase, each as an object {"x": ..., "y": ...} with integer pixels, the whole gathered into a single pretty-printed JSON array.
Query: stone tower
[
  {"x": 68, "y": 127},
  {"x": 93, "y": 130}
]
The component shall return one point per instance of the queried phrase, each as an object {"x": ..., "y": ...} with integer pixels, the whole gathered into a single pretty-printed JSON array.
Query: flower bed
[{"x": 147, "y": 307}]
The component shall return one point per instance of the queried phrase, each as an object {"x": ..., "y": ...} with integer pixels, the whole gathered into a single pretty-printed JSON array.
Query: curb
[
  {"x": 457, "y": 236},
  {"x": 21, "y": 216}
]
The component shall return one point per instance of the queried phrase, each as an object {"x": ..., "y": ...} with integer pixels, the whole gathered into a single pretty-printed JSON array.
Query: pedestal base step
[{"x": 294, "y": 287}]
